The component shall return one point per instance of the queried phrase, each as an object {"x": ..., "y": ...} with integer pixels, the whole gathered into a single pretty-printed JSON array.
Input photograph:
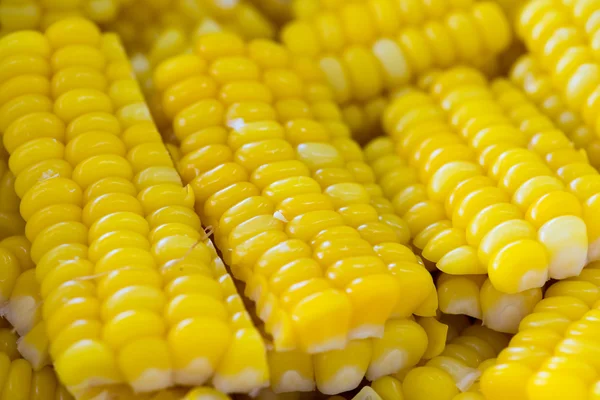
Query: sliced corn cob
[
  {"x": 571, "y": 166},
  {"x": 336, "y": 199},
  {"x": 529, "y": 76},
  {"x": 501, "y": 145},
  {"x": 537, "y": 180},
  {"x": 286, "y": 242},
  {"x": 367, "y": 48},
  {"x": 444, "y": 161},
  {"x": 553, "y": 355},
  {"x": 110, "y": 224}
]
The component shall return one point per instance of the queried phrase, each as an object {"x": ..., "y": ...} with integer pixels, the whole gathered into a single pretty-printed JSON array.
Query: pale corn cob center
[{"x": 111, "y": 224}]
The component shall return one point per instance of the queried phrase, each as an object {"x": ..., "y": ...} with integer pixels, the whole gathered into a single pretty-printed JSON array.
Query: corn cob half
[{"x": 121, "y": 258}]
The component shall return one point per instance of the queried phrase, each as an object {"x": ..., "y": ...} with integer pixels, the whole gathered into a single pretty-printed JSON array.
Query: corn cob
[
  {"x": 364, "y": 52},
  {"x": 137, "y": 21},
  {"x": 331, "y": 159},
  {"x": 501, "y": 146},
  {"x": 222, "y": 132},
  {"x": 421, "y": 206},
  {"x": 552, "y": 356},
  {"x": 117, "y": 214},
  {"x": 21, "y": 380},
  {"x": 452, "y": 375},
  {"x": 457, "y": 294},
  {"x": 528, "y": 75},
  {"x": 557, "y": 156}
]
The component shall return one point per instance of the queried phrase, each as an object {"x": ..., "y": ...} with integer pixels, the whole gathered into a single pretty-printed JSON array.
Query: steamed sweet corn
[
  {"x": 554, "y": 353},
  {"x": 486, "y": 186},
  {"x": 516, "y": 230},
  {"x": 452, "y": 375},
  {"x": 296, "y": 213},
  {"x": 121, "y": 258},
  {"x": 366, "y": 48}
]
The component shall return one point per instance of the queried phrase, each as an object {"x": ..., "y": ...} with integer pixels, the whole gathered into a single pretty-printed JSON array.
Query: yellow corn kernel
[
  {"x": 436, "y": 334},
  {"x": 459, "y": 295},
  {"x": 337, "y": 371},
  {"x": 428, "y": 383},
  {"x": 403, "y": 343}
]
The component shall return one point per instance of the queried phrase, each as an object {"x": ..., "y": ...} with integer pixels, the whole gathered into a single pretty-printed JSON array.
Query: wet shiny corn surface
[{"x": 305, "y": 199}]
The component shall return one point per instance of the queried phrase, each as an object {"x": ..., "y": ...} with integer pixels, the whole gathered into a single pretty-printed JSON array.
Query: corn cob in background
[
  {"x": 121, "y": 258},
  {"x": 40, "y": 14},
  {"x": 536, "y": 84},
  {"x": 139, "y": 22},
  {"x": 367, "y": 49},
  {"x": 554, "y": 353}
]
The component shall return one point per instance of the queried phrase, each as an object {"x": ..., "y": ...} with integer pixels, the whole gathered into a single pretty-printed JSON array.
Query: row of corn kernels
[
  {"x": 536, "y": 84},
  {"x": 364, "y": 52}
]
